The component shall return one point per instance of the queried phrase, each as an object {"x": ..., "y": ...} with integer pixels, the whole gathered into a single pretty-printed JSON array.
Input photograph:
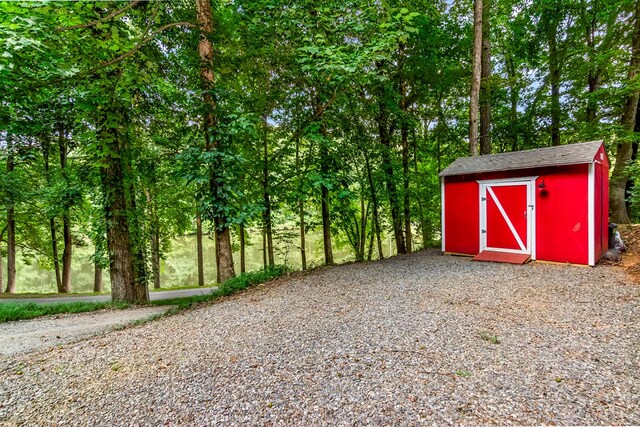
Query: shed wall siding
[
  {"x": 462, "y": 216},
  {"x": 562, "y": 233}
]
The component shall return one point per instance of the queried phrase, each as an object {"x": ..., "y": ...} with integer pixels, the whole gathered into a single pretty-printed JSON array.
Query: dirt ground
[{"x": 631, "y": 258}]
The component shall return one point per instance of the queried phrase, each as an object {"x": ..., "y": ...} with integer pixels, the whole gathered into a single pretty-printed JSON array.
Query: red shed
[{"x": 548, "y": 204}]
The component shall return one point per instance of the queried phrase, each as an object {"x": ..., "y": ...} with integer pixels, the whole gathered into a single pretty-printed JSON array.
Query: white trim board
[
  {"x": 508, "y": 181},
  {"x": 591, "y": 223},
  {"x": 506, "y": 217},
  {"x": 529, "y": 182},
  {"x": 442, "y": 213}
]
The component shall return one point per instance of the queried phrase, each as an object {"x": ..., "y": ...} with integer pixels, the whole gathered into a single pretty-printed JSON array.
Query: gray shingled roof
[{"x": 570, "y": 154}]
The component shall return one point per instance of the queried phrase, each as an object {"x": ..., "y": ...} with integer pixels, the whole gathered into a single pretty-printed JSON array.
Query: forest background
[{"x": 283, "y": 131}]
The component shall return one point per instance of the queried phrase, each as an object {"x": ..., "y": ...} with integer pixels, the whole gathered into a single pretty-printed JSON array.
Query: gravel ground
[
  {"x": 414, "y": 339},
  {"x": 46, "y": 332}
]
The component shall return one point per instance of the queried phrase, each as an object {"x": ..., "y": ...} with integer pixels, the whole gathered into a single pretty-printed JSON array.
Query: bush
[
  {"x": 231, "y": 286},
  {"x": 253, "y": 278}
]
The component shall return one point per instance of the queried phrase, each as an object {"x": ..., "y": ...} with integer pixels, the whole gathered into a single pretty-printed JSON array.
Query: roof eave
[{"x": 443, "y": 174}]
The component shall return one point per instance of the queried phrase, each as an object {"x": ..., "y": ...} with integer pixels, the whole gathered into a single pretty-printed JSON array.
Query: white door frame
[{"x": 528, "y": 247}]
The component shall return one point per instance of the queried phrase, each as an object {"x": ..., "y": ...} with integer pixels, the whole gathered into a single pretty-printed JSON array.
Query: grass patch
[
  {"x": 490, "y": 338},
  {"x": 231, "y": 286},
  {"x": 179, "y": 288},
  {"x": 10, "y": 311},
  {"x": 50, "y": 295},
  {"x": 28, "y": 310}
]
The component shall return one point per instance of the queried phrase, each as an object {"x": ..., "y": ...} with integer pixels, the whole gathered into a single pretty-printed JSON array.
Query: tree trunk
[
  {"x": 97, "y": 278},
  {"x": 594, "y": 81},
  {"x": 216, "y": 251},
  {"x": 387, "y": 166},
  {"x": 136, "y": 226},
  {"x": 441, "y": 127},
  {"x": 364, "y": 215},
  {"x": 154, "y": 236},
  {"x": 324, "y": 194},
  {"x": 1, "y": 271},
  {"x": 11, "y": 222},
  {"x": 326, "y": 226},
  {"x": 1, "y": 261},
  {"x": 634, "y": 157},
  {"x": 243, "y": 264},
  {"x": 594, "y": 78},
  {"x": 66, "y": 253},
  {"x": 303, "y": 243},
  {"x": 66, "y": 222},
  {"x": 485, "y": 82},
  {"x": 52, "y": 223},
  {"x": 407, "y": 201},
  {"x": 475, "y": 77},
  {"x": 554, "y": 81},
  {"x": 374, "y": 201},
  {"x": 224, "y": 253},
  {"x": 155, "y": 259},
  {"x": 370, "y": 251},
  {"x": 124, "y": 286},
  {"x": 266, "y": 213},
  {"x": 199, "y": 249},
  {"x": 421, "y": 210},
  {"x": 264, "y": 249},
  {"x": 620, "y": 175},
  {"x": 513, "y": 97},
  {"x": 630, "y": 184},
  {"x": 404, "y": 136}
]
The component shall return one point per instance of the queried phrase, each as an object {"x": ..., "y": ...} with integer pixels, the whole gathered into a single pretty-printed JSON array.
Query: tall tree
[
  {"x": 126, "y": 283},
  {"x": 404, "y": 138},
  {"x": 552, "y": 14},
  {"x": 11, "y": 221},
  {"x": 476, "y": 72},
  {"x": 619, "y": 176},
  {"x": 52, "y": 221},
  {"x": 385, "y": 131},
  {"x": 554, "y": 81},
  {"x": 485, "y": 81},
  {"x": 199, "y": 249},
  {"x": 66, "y": 218},
  {"x": 224, "y": 254}
]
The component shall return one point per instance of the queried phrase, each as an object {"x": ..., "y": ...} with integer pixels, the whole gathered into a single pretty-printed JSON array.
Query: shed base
[{"x": 507, "y": 257}]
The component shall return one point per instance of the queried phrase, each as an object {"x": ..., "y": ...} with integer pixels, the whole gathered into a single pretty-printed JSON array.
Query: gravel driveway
[
  {"x": 414, "y": 339},
  {"x": 50, "y": 331}
]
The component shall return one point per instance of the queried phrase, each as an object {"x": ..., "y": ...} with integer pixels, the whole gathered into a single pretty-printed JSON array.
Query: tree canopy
[{"x": 127, "y": 123}]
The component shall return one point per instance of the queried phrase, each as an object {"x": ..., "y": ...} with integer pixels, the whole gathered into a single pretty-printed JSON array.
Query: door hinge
[
  {"x": 484, "y": 199},
  {"x": 531, "y": 206},
  {"x": 484, "y": 231}
]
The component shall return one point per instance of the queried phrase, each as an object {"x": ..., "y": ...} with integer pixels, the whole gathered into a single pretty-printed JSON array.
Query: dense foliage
[{"x": 124, "y": 124}]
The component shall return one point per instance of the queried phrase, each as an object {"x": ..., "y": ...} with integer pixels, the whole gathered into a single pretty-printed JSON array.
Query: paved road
[{"x": 155, "y": 296}]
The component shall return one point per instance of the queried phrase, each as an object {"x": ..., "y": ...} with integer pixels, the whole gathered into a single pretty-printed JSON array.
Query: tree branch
[
  {"x": 142, "y": 43},
  {"x": 101, "y": 20},
  {"x": 316, "y": 115}
]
